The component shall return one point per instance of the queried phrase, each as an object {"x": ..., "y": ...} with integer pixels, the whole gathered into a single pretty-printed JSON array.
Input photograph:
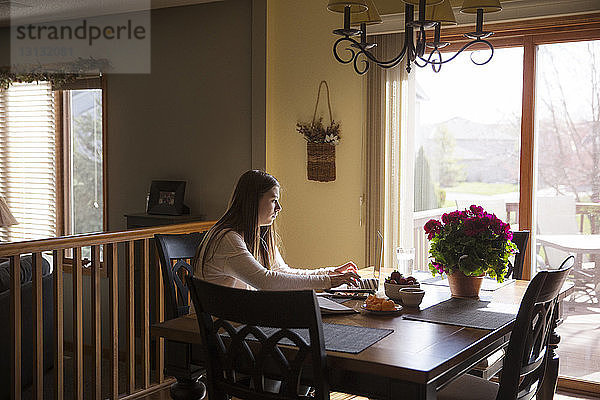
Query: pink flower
[
  {"x": 477, "y": 210},
  {"x": 439, "y": 267},
  {"x": 432, "y": 227}
]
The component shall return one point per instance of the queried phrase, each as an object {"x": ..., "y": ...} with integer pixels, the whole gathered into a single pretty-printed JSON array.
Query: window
[
  {"x": 528, "y": 149},
  {"x": 467, "y": 138},
  {"x": 83, "y": 160},
  {"x": 27, "y": 160},
  {"x": 51, "y": 160}
]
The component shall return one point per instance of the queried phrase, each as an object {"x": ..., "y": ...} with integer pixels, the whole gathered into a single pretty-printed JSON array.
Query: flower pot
[
  {"x": 320, "y": 162},
  {"x": 462, "y": 285}
]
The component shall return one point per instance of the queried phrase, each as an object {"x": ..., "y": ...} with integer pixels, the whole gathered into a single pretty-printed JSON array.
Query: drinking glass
[{"x": 405, "y": 260}]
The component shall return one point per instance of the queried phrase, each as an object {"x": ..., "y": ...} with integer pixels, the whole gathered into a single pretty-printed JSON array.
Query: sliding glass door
[
  {"x": 521, "y": 136},
  {"x": 567, "y": 194}
]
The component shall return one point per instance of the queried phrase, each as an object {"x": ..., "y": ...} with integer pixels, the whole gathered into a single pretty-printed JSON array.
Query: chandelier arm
[
  {"x": 489, "y": 58},
  {"x": 416, "y": 61},
  {"x": 366, "y": 63},
  {"x": 352, "y": 52},
  {"x": 466, "y": 46},
  {"x": 389, "y": 63},
  {"x": 438, "y": 54}
]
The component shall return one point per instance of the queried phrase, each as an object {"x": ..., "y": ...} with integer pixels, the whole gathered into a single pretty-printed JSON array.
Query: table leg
[
  {"x": 187, "y": 389},
  {"x": 182, "y": 363},
  {"x": 548, "y": 385},
  {"x": 423, "y": 392}
]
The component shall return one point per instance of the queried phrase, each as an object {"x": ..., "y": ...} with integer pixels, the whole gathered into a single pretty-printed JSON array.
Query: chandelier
[{"x": 418, "y": 50}]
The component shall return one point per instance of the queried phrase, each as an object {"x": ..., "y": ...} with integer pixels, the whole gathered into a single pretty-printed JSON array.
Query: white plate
[{"x": 375, "y": 312}]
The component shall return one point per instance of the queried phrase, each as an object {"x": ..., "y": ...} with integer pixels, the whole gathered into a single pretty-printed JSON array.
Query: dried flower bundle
[{"x": 316, "y": 132}]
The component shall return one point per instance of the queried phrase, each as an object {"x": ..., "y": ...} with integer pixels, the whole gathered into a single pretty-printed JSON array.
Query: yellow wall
[{"x": 320, "y": 222}]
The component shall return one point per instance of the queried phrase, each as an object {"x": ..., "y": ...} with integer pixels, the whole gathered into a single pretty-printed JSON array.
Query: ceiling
[
  {"x": 393, "y": 17},
  {"x": 29, "y": 11}
]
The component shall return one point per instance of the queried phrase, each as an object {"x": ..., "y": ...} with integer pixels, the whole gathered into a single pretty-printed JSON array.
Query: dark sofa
[{"x": 27, "y": 337}]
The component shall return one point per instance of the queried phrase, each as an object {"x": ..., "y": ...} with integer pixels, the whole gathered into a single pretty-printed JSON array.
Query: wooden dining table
[{"x": 415, "y": 361}]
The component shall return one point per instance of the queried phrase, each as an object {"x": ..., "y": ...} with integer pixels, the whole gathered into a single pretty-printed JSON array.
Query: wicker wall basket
[{"x": 320, "y": 162}]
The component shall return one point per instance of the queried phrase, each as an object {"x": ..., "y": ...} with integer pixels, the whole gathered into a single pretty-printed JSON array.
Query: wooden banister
[
  {"x": 38, "y": 327},
  {"x": 57, "y": 258},
  {"x": 130, "y": 261},
  {"x": 65, "y": 242},
  {"x": 96, "y": 325},
  {"x": 134, "y": 248},
  {"x": 77, "y": 325},
  {"x": 145, "y": 311},
  {"x": 111, "y": 257},
  {"x": 15, "y": 322}
]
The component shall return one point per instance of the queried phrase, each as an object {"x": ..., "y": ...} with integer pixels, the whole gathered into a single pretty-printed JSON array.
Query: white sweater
[{"x": 234, "y": 266}]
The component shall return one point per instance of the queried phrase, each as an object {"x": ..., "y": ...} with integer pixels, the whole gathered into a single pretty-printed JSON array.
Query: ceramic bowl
[
  {"x": 392, "y": 290},
  {"x": 411, "y": 297}
]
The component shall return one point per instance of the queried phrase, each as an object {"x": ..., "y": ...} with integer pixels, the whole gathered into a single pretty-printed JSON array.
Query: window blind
[{"x": 27, "y": 160}]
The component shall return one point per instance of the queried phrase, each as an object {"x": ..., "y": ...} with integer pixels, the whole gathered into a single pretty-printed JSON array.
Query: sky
[
  {"x": 481, "y": 93},
  {"x": 492, "y": 93}
]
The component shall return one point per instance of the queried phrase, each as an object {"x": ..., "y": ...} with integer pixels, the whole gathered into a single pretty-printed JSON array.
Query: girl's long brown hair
[{"x": 242, "y": 216}]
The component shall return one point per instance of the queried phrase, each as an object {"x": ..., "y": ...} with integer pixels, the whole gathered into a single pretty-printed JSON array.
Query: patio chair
[
  {"x": 524, "y": 367},
  {"x": 515, "y": 270},
  {"x": 556, "y": 216}
]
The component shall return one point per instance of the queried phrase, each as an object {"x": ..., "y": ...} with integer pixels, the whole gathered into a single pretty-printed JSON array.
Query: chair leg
[
  {"x": 188, "y": 389},
  {"x": 550, "y": 378},
  {"x": 548, "y": 385}
]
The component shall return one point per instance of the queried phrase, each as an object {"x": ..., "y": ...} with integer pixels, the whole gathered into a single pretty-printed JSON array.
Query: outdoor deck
[{"x": 580, "y": 334}]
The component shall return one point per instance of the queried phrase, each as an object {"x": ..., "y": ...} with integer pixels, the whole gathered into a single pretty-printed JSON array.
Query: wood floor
[
  {"x": 580, "y": 332},
  {"x": 164, "y": 395}
]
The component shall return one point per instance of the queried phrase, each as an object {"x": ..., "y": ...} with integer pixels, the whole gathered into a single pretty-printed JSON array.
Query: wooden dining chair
[
  {"x": 490, "y": 366},
  {"x": 182, "y": 360},
  {"x": 520, "y": 238},
  {"x": 243, "y": 331},
  {"x": 524, "y": 366}
]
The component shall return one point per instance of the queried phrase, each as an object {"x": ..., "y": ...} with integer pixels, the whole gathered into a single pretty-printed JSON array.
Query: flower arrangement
[
  {"x": 471, "y": 241},
  {"x": 316, "y": 132}
]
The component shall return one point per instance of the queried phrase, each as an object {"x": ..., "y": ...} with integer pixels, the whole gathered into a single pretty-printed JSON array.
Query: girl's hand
[
  {"x": 349, "y": 278},
  {"x": 348, "y": 267}
]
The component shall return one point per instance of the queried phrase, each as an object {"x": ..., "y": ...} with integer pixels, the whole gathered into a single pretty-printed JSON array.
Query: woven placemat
[
  {"x": 468, "y": 313},
  {"x": 342, "y": 338},
  {"x": 488, "y": 284}
]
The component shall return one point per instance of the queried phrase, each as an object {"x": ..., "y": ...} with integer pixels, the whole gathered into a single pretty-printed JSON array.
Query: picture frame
[{"x": 166, "y": 198}]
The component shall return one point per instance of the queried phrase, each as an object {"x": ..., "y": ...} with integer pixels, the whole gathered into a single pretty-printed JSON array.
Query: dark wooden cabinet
[{"x": 143, "y": 220}]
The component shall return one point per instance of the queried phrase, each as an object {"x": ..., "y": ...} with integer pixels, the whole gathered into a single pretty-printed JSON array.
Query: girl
[{"x": 240, "y": 249}]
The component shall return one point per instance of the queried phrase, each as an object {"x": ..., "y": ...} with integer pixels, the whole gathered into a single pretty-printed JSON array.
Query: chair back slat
[
  {"x": 175, "y": 252},
  {"x": 244, "y": 331},
  {"x": 525, "y": 361},
  {"x": 520, "y": 239},
  {"x": 250, "y": 310}
]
